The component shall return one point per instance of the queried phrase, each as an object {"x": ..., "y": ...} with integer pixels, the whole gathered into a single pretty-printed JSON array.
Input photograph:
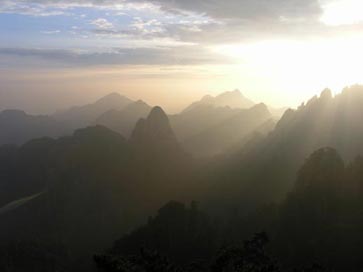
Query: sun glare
[
  {"x": 301, "y": 65},
  {"x": 343, "y": 12}
]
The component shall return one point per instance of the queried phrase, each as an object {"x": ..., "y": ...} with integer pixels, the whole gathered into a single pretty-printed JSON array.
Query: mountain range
[
  {"x": 66, "y": 191},
  {"x": 83, "y": 116},
  {"x": 121, "y": 114},
  {"x": 233, "y": 99},
  {"x": 123, "y": 120},
  {"x": 323, "y": 121}
]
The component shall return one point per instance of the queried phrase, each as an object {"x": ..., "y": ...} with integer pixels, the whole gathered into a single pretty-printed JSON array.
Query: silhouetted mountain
[
  {"x": 74, "y": 195},
  {"x": 17, "y": 127},
  {"x": 155, "y": 133},
  {"x": 233, "y": 99},
  {"x": 83, "y": 116},
  {"x": 215, "y": 125},
  {"x": 323, "y": 121},
  {"x": 27, "y": 169},
  {"x": 69, "y": 190},
  {"x": 124, "y": 121},
  {"x": 321, "y": 218},
  {"x": 182, "y": 233},
  {"x": 227, "y": 134},
  {"x": 196, "y": 120}
]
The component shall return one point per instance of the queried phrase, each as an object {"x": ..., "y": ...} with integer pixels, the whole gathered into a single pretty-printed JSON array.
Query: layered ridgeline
[
  {"x": 233, "y": 99},
  {"x": 232, "y": 133},
  {"x": 211, "y": 126},
  {"x": 208, "y": 112},
  {"x": 323, "y": 121},
  {"x": 123, "y": 120},
  {"x": 83, "y": 116},
  {"x": 84, "y": 190},
  {"x": 217, "y": 125},
  {"x": 17, "y": 127}
]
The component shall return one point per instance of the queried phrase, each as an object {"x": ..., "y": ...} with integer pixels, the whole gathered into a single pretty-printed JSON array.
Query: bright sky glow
[
  {"x": 343, "y": 12},
  {"x": 177, "y": 51}
]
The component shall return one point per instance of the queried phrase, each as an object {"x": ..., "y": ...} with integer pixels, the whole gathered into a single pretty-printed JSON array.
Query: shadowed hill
[
  {"x": 17, "y": 127},
  {"x": 91, "y": 178}
]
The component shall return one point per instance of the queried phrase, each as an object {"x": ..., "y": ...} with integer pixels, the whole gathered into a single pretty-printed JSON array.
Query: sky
[{"x": 57, "y": 53}]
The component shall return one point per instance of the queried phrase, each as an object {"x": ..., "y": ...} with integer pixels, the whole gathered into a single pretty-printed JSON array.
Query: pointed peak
[
  {"x": 155, "y": 131},
  {"x": 326, "y": 94},
  {"x": 260, "y": 108},
  {"x": 112, "y": 95},
  {"x": 234, "y": 93},
  {"x": 207, "y": 98},
  {"x": 157, "y": 112},
  {"x": 112, "y": 98},
  {"x": 141, "y": 102}
]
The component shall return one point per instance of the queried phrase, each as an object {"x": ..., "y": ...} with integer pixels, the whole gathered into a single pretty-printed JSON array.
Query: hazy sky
[{"x": 57, "y": 52}]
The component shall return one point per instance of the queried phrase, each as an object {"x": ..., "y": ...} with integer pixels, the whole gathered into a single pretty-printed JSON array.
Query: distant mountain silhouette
[
  {"x": 154, "y": 132},
  {"x": 17, "y": 127},
  {"x": 197, "y": 119},
  {"x": 215, "y": 125},
  {"x": 83, "y": 116},
  {"x": 227, "y": 134},
  {"x": 124, "y": 120},
  {"x": 233, "y": 99}
]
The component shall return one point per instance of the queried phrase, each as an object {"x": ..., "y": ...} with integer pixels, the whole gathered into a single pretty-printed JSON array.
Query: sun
[{"x": 299, "y": 67}]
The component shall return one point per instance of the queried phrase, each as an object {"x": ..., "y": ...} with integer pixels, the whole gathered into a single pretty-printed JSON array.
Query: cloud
[
  {"x": 230, "y": 19},
  {"x": 246, "y": 9},
  {"x": 181, "y": 55},
  {"x": 102, "y": 23},
  {"x": 50, "y": 32},
  {"x": 227, "y": 9},
  {"x": 206, "y": 22}
]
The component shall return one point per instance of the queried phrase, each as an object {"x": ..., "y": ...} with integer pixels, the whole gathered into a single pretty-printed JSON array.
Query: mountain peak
[
  {"x": 207, "y": 98},
  {"x": 140, "y": 102},
  {"x": 111, "y": 98},
  {"x": 326, "y": 94},
  {"x": 157, "y": 114},
  {"x": 261, "y": 108},
  {"x": 230, "y": 94},
  {"x": 232, "y": 99},
  {"x": 154, "y": 132}
]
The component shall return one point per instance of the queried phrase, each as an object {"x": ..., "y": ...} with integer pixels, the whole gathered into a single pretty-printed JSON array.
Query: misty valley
[{"x": 225, "y": 185}]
